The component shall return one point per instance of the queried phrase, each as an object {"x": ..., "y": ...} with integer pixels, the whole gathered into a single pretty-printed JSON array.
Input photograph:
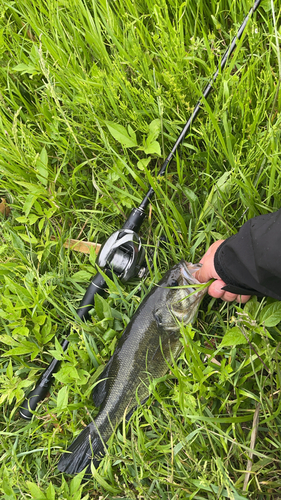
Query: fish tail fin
[{"x": 86, "y": 448}]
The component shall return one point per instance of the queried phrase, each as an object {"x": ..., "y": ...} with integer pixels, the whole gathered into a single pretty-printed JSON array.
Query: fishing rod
[{"x": 122, "y": 254}]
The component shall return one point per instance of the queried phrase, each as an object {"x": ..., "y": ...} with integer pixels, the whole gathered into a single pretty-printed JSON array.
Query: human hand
[{"x": 207, "y": 272}]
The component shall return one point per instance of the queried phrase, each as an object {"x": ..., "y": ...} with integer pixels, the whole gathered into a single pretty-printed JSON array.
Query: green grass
[{"x": 68, "y": 69}]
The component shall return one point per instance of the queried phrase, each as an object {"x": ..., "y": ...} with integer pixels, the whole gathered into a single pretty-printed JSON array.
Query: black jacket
[{"x": 250, "y": 261}]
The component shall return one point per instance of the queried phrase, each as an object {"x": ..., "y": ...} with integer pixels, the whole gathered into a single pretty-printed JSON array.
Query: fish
[{"x": 150, "y": 340}]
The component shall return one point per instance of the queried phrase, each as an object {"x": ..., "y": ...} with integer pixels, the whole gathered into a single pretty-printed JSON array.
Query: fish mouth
[{"x": 187, "y": 272}]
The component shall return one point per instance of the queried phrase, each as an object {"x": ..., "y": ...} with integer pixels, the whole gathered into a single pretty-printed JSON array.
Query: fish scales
[{"x": 149, "y": 341}]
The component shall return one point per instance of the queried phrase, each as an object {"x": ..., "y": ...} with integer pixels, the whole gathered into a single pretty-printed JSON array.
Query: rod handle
[
  {"x": 135, "y": 219},
  {"x": 96, "y": 287},
  {"x": 29, "y": 405},
  {"x": 43, "y": 386}
]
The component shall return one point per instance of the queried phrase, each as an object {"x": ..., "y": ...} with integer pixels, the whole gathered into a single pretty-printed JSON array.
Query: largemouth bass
[{"x": 150, "y": 340}]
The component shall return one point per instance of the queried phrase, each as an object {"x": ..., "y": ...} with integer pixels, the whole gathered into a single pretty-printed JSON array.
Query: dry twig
[
  {"x": 4, "y": 208},
  {"x": 81, "y": 246}
]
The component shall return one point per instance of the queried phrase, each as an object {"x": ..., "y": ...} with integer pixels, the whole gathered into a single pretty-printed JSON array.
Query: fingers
[
  {"x": 215, "y": 290},
  {"x": 243, "y": 298}
]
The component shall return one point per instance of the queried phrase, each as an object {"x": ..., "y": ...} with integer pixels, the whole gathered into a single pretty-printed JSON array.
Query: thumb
[{"x": 207, "y": 271}]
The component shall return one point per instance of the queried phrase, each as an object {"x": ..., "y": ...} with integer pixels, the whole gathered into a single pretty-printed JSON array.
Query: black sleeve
[{"x": 250, "y": 261}]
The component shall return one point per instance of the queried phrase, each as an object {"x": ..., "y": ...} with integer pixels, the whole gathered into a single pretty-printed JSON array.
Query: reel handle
[{"x": 34, "y": 397}]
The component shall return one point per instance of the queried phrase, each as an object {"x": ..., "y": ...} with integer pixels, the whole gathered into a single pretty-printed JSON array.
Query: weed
[{"x": 93, "y": 96}]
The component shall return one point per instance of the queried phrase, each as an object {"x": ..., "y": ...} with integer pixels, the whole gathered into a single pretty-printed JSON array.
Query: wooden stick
[
  {"x": 81, "y": 246},
  {"x": 4, "y": 208}
]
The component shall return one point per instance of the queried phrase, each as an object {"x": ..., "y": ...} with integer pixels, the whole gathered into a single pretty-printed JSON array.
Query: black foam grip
[{"x": 30, "y": 403}]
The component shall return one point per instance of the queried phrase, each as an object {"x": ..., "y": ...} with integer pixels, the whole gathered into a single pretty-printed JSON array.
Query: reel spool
[{"x": 122, "y": 254}]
